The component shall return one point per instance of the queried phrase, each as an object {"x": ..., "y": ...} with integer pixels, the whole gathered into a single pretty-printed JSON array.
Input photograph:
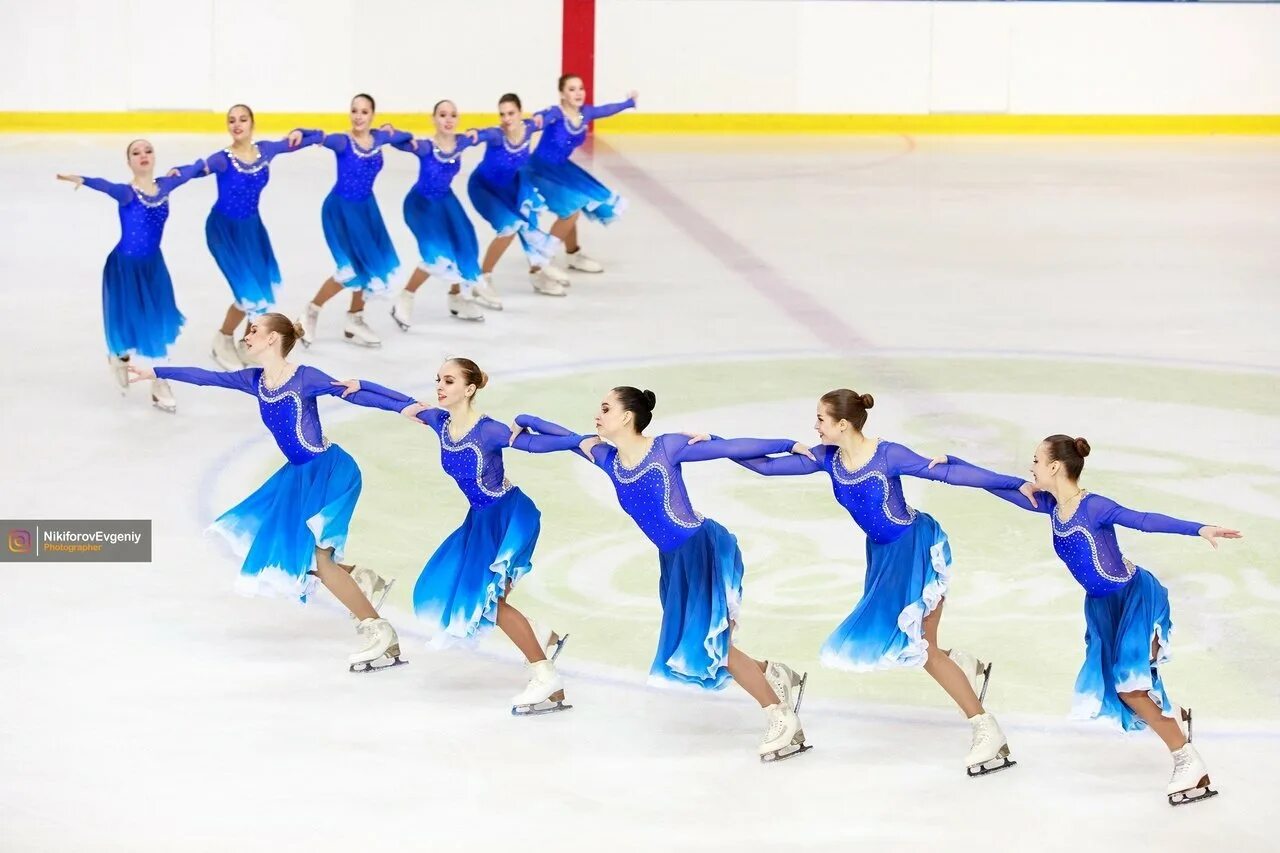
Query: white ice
[{"x": 146, "y": 707}]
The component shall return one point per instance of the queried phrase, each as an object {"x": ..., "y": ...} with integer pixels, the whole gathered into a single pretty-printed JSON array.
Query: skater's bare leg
[
  {"x": 233, "y": 318},
  {"x": 496, "y": 248},
  {"x": 749, "y": 674},
  {"x": 327, "y": 291},
  {"x": 944, "y": 670},
  {"x": 416, "y": 279},
  {"x": 517, "y": 628},
  {"x": 357, "y": 301},
  {"x": 1146, "y": 708},
  {"x": 338, "y": 582},
  {"x": 566, "y": 230}
]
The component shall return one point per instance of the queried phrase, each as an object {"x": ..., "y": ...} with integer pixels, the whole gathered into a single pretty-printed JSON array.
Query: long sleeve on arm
[
  {"x": 724, "y": 448},
  {"x": 956, "y": 472},
  {"x": 591, "y": 112},
  {"x": 237, "y": 380},
  {"x": 122, "y": 193},
  {"x": 1106, "y": 511}
]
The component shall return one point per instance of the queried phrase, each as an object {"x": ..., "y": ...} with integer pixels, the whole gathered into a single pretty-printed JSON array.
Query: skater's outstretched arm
[
  {"x": 297, "y": 139},
  {"x": 122, "y": 193},
  {"x": 791, "y": 465},
  {"x": 1103, "y": 511},
  {"x": 902, "y": 460},
  {"x": 591, "y": 112},
  {"x": 680, "y": 449},
  {"x": 179, "y": 176},
  {"x": 245, "y": 380},
  {"x": 550, "y": 437},
  {"x": 317, "y": 383}
]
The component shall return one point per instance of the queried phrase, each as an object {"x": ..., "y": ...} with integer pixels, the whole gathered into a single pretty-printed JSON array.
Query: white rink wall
[{"x": 686, "y": 56}]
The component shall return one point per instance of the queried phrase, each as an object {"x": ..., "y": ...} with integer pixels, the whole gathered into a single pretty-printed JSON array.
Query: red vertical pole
[{"x": 578, "y": 43}]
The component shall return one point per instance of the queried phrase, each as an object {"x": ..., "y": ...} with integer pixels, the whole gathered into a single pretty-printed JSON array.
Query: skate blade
[
  {"x": 985, "y": 672},
  {"x": 788, "y": 751},
  {"x": 555, "y": 652},
  {"x": 1000, "y": 762},
  {"x": 352, "y": 339},
  {"x": 1192, "y": 795},
  {"x": 540, "y": 708},
  {"x": 404, "y": 327},
  {"x": 386, "y": 589},
  {"x": 167, "y": 408},
  {"x": 378, "y": 665},
  {"x": 804, "y": 679}
]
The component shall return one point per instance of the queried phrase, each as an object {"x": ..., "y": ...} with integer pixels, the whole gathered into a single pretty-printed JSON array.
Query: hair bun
[
  {"x": 867, "y": 401},
  {"x": 650, "y": 399},
  {"x": 298, "y": 330},
  {"x": 1082, "y": 447},
  {"x": 484, "y": 380}
]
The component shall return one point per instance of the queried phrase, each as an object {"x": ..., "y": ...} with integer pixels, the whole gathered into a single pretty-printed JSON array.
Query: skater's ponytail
[
  {"x": 1069, "y": 451},
  {"x": 637, "y": 402},
  {"x": 471, "y": 372},
  {"x": 845, "y": 405},
  {"x": 289, "y": 331}
]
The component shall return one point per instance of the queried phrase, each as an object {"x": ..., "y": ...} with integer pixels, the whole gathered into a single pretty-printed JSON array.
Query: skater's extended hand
[
  {"x": 516, "y": 431},
  {"x": 139, "y": 374},
  {"x": 803, "y": 450},
  {"x": 172, "y": 173},
  {"x": 537, "y": 120},
  {"x": 695, "y": 437},
  {"x": 634, "y": 97},
  {"x": 587, "y": 443},
  {"x": 387, "y": 127},
  {"x": 294, "y": 138},
  {"x": 352, "y": 386},
  {"x": 1029, "y": 489},
  {"x": 74, "y": 179},
  {"x": 473, "y": 135},
  {"x": 938, "y": 460},
  {"x": 1213, "y": 534}
]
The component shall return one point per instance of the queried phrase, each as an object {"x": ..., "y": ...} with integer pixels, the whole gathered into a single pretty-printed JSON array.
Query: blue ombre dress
[
  {"x": 353, "y": 225},
  {"x": 458, "y": 591},
  {"x": 446, "y": 238},
  {"x": 139, "y": 314},
  {"x": 1126, "y": 610},
  {"x": 236, "y": 236},
  {"x": 566, "y": 186},
  {"x": 308, "y": 503},
  {"x": 700, "y": 579},
  {"x": 908, "y": 554},
  {"x": 502, "y": 192}
]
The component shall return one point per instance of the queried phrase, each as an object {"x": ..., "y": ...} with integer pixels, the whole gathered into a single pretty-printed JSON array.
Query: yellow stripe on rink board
[{"x": 142, "y": 123}]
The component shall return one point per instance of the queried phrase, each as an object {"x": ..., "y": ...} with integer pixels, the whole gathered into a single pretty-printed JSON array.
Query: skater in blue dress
[
  {"x": 236, "y": 236},
  {"x": 895, "y": 623},
  {"x": 1126, "y": 609},
  {"x": 700, "y": 579},
  {"x": 447, "y": 244},
  {"x": 569, "y": 189},
  {"x": 293, "y": 529},
  {"x": 502, "y": 192},
  {"x": 353, "y": 224},
  {"x": 139, "y": 314},
  {"x": 464, "y": 588}
]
